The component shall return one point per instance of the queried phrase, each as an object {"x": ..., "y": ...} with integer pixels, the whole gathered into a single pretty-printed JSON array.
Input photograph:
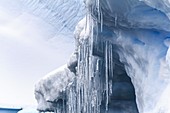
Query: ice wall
[
  {"x": 138, "y": 31},
  {"x": 140, "y": 40}
]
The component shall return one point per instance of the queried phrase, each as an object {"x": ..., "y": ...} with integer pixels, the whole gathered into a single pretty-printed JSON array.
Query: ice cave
[{"x": 121, "y": 62}]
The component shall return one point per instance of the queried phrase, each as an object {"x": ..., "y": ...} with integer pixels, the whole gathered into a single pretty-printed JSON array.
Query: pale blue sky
[{"x": 29, "y": 49}]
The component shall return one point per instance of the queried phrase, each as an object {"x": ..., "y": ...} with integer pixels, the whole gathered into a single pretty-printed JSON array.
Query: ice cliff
[{"x": 121, "y": 61}]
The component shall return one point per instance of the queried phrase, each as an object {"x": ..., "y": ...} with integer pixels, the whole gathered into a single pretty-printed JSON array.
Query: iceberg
[{"x": 121, "y": 61}]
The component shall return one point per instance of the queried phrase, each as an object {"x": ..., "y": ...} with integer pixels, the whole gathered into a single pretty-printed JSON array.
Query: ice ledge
[{"x": 52, "y": 88}]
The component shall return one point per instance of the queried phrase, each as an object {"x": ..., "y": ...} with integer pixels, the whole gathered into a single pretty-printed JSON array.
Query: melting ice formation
[{"x": 121, "y": 63}]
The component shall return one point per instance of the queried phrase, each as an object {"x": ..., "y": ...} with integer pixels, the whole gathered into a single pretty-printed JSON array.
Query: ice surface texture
[
  {"x": 139, "y": 32},
  {"x": 52, "y": 88},
  {"x": 62, "y": 14}
]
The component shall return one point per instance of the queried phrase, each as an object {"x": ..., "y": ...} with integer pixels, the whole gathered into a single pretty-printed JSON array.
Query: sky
[{"x": 29, "y": 49}]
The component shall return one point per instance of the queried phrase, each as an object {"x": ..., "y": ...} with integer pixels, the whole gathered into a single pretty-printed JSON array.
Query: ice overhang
[
  {"x": 132, "y": 14},
  {"x": 139, "y": 30}
]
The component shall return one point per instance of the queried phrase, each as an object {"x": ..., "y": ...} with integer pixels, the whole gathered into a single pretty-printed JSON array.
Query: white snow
[{"x": 52, "y": 87}]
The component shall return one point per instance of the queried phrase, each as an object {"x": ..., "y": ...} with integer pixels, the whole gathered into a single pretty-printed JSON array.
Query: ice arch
[{"x": 130, "y": 34}]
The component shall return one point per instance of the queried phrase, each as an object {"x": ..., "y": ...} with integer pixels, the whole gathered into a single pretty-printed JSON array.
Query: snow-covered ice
[
  {"x": 139, "y": 32},
  {"x": 53, "y": 87}
]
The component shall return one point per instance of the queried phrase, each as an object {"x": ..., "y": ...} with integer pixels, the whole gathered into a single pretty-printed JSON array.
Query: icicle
[
  {"x": 100, "y": 15},
  {"x": 86, "y": 95},
  {"x": 86, "y": 23},
  {"x": 55, "y": 110},
  {"x": 115, "y": 20},
  {"x": 98, "y": 9},
  {"x": 110, "y": 87},
  {"x": 101, "y": 22},
  {"x": 110, "y": 68},
  {"x": 112, "y": 63},
  {"x": 92, "y": 36},
  {"x": 106, "y": 75}
]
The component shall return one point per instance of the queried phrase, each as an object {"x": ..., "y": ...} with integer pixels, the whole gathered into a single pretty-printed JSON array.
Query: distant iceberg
[{"x": 9, "y": 110}]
